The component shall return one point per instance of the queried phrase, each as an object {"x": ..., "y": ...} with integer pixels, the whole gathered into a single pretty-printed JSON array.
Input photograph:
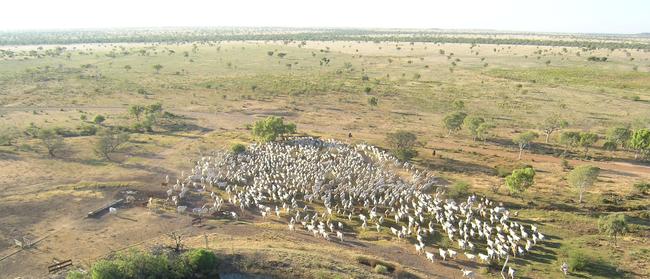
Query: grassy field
[{"x": 216, "y": 89}]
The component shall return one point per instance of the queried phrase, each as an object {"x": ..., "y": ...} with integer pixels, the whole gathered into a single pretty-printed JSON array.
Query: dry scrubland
[{"x": 214, "y": 90}]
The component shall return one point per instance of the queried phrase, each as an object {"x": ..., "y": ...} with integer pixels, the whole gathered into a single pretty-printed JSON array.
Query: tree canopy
[
  {"x": 402, "y": 144},
  {"x": 582, "y": 177},
  {"x": 520, "y": 180},
  {"x": 454, "y": 121},
  {"x": 272, "y": 127}
]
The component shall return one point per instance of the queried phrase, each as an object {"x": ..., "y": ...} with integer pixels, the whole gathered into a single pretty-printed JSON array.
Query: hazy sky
[{"x": 595, "y": 16}]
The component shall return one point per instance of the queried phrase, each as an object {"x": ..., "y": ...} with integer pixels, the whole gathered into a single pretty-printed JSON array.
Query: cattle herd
[{"x": 316, "y": 185}]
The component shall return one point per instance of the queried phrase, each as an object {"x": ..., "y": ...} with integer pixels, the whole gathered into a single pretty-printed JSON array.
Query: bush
[
  {"x": 458, "y": 189},
  {"x": 503, "y": 171},
  {"x": 198, "y": 263},
  {"x": 98, "y": 119},
  {"x": 405, "y": 154},
  {"x": 238, "y": 148},
  {"x": 87, "y": 130},
  {"x": 642, "y": 187},
  {"x": 381, "y": 269},
  {"x": 578, "y": 261}
]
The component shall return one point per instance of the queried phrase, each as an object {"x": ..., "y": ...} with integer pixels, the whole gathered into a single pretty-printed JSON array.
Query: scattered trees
[
  {"x": 582, "y": 177},
  {"x": 271, "y": 128},
  {"x": 613, "y": 225},
  {"x": 552, "y": 124},
  {"x": 402, "y": 144},
  {"x": 8, "y": 135},
  {"x": 523, "y": 140},
  {"x": 520, "y": 180},
  {"x": 454, "y": 121}
]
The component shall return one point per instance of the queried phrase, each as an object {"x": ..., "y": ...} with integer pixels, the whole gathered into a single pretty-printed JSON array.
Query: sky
[{"x": 565, "y": 16}]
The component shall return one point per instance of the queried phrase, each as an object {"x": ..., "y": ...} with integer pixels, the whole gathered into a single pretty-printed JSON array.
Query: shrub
[
  {"x": 642, "y": 187},
  {"x": 458, "y": 189},
  {"x": 87, "y": 130},
  {"x": 201, "y": 262},
  {"x": 578, "y": 261},
  {"x": 238, "y": 148},
  {"x": 98, "y": 119},
  {"x": 381, "y": 269}
]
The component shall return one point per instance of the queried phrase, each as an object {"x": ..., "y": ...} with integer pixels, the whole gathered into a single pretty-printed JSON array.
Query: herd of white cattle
[{"x": 310, "y": 182}]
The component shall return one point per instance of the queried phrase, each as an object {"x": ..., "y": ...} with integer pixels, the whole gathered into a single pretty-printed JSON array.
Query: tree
[
  {"x": 619, "y": 136},
  {"x": 127, "y": 68},
  {"x": 613, "y": 225},
  {"x": 472, "y": 123},
  {"x": 136, "y": 111},
  {"x": 551, "y": 124},
  {"x": 402, "y": 144},
  {"x": 582, "y": 177},
  {"x": 198, "y": 263},
  {"x": 587, "y": 139},
  {"x": 52, "y": 141},
  {"x": 569, "y": 139},
  {"x": 109, "y": 142},
  {"x": 640, "y": 142},
  {"x": 454, "y": 121},
  {"x": 157, "y": 67},
  {"x": 520, "y": 180},
  {"x": 271, "y": 128},
  {"x": 177, "y": 239},
  {"x": 483, "y": 130},
  {"x": 523, "y": 140}
]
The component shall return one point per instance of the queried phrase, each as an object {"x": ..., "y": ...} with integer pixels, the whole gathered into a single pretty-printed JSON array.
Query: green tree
[
  {"x": 582, "y": 177},
  {"x": 52, "y": 141},
  {"x": 569, "y": 139},
  {"x": 402, "y": 144},
  {"x": 483, "y": 130},
  {"x": 127, "y": 68},
  {"x": 271, "y": 128},
  {"x": 613, "y": 225},
  {"x": 157, "y": 67},
  {"x": 136, "y": 111},
  {"x": 619, "y": 136},
  {"x": 472, "y": 123},
  {"x": 524, "y": 140},
  {"x": 109, "y": 142},
  {"x": 520, "y": 180},
  {"x": 551, "y": 124},
  {"x": 454, "y": 121},
  {"x": 587, "y": 139},
  {"x": 640, "y": 142}
]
